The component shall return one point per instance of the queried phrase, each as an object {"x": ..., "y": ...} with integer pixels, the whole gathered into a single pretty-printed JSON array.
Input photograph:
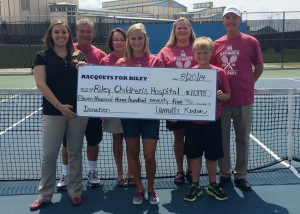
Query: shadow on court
[
  {"x": 263, "y": 199},
  {"x": 238, "y": 202}
]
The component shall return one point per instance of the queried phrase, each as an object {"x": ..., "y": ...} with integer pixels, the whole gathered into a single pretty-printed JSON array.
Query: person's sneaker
[
  {"x": 153, "y": 198},
  {"x": 194, "y": 192},
  {"x": 223, "y": 181},
  {"x": 93, "y": 179},
  {"x": 62, "y": 183},
  {"x": 242, "y": 184},
  {"x": 138, "y": 198},
  {"x": 214, "y": 190}
]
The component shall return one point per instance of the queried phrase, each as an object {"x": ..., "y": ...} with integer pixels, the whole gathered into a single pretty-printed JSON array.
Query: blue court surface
[
  {"x": 271, "y": 193},
  {"x": 275, "y": 190}
]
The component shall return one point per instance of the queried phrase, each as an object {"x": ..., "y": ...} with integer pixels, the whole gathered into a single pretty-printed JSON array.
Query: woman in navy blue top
[{"x": 55, "y": 70}]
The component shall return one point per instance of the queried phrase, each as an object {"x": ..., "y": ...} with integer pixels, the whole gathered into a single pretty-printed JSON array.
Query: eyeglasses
[{"x": 118, "y": 40}]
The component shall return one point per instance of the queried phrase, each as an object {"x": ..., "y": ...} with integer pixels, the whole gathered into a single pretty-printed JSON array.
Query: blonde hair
[
  {"x": 48, "y": 40},
  {"x": 173, "y": 40},
  {"x": 203, "y": 43},
  {"x": 132, "y": 28}
]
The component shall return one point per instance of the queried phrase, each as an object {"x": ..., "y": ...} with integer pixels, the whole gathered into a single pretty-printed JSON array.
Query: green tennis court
[{"x": 15, "y": 79}]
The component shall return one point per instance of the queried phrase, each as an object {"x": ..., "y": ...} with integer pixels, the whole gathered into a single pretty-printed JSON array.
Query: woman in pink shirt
[
  {"x": 178, "y": 54},
  {"x": 116, "y": 43},
  {"x": 138, "y": 54}
]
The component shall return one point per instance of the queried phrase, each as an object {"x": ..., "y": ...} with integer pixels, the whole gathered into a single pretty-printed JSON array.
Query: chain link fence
[{"x": 277, "y": 32}]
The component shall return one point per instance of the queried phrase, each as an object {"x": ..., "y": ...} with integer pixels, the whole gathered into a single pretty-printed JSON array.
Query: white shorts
[{"x": 113, "y": 126}]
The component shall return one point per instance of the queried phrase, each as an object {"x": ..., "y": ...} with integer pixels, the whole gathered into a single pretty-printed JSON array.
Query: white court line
[
  {"x": 4, "y": 100},
  {"x": 293, "y": 79},
  {"x": 20, "y": 121},
  {"x": 275, "y": 156},
  {"x": 277, "y": 78},
  {"x": 271, "y": 78}
]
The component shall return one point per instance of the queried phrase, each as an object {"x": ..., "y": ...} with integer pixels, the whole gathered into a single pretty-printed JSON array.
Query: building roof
[
  {"x": 134, "y": 5},
  {"x": 144, "y": 4},
  {"x": 140, "y": 18},
  {"x": 62, "y": 4},
  {"x": 112, "y": 13},
  {"x": 202, "y": 11}
]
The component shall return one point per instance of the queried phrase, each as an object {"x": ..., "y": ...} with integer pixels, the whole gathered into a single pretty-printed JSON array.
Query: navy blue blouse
[{"x": 61, "y": 78}]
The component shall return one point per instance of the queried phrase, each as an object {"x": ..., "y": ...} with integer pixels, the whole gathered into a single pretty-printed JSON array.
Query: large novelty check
[{"x": 142, "y": 92}]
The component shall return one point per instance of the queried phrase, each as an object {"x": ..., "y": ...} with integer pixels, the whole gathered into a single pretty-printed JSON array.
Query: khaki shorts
[{"x": 113, "y": 126}]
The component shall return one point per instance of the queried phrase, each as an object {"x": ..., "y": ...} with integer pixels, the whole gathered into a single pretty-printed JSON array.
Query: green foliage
[
  {"x": 18, "y": 56},
  {"x": 289, "y": 55},
  {"x": 21, "y": 56}
]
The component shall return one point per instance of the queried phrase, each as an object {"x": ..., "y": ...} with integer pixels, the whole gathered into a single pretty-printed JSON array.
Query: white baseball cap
[{"x": 232, "y": 9}]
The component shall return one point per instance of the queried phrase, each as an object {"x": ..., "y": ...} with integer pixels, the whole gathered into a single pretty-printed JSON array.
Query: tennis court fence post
[{"x": 290, "y": 141}]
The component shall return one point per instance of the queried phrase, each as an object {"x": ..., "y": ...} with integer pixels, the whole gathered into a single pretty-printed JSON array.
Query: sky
[{"x": 244, "y": 5}]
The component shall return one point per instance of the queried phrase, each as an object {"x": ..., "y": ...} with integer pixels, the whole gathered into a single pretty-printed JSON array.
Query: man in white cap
[{"x": 240, "y": 56}]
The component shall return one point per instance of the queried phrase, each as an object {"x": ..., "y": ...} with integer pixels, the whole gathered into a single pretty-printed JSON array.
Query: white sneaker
[
  {"x": 63, "y": 182},
  {"x": 93, "y": 179},
  {"x": 153, "y": 198},
  {"x": 138, "y": 198}
]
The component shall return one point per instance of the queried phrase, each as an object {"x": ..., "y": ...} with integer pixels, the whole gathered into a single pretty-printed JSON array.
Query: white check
[{"x": 147, "y": 93}]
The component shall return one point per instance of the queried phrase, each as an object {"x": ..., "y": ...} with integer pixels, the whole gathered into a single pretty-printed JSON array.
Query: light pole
[
  {"x": 287, "y": 26},
  {"x": 245, "y": 14},
  {"x": 270, "y": 21},
  {"x": 277, "y": 14},
  {"x": 282, "y": 39}
]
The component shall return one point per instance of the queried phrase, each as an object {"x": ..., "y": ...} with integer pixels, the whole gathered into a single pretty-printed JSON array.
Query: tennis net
[{"x": 274, "y": 137}]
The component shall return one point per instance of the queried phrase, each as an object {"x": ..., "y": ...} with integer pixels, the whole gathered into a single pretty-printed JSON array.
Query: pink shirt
[
  {"x": 177, "y": 57},
  {"x": 222, "y": 84},
  {"x": 236, "y": 56},
  {"x": 109, "y": 59},
  {"x": 148, "y": 60},
  {"x": 93, "y": 55}
]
